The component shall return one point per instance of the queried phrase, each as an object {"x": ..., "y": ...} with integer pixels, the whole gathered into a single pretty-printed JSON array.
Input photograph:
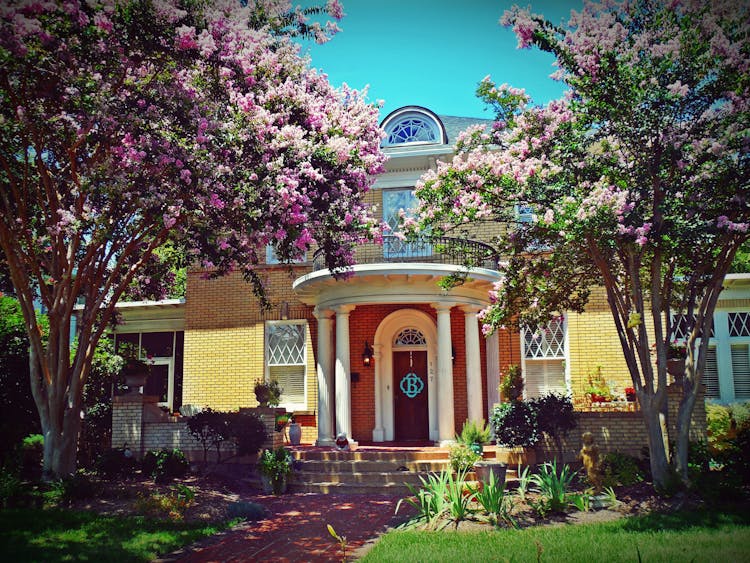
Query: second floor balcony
[{"x": 435, "y": 250}]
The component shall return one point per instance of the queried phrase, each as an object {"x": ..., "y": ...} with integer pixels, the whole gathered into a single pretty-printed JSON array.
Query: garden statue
[{"x": 589, "y": 455}]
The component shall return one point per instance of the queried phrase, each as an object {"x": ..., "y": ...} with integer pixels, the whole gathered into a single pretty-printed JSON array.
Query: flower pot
[
  {"x": 522, "y": 456},
  {"x": 676, "y": 367},
  {"x": 483, "y": 469},
  {"x": 276, "y": 486},
  {"x": 135, "y": 381},
  {"x": 295, "y": 433},
  {"x": 476, "y": 448}
]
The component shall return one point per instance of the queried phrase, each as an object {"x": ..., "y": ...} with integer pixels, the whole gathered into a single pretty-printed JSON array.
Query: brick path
[{"x": 296, "y": 529}]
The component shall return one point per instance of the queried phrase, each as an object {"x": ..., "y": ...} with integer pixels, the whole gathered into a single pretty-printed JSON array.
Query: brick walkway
[{"x": 296, "y": 529}]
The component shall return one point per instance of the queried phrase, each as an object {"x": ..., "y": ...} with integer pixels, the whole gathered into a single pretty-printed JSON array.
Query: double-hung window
[
  {"x": 544, "y": 359},
  {"x": 286, "y": 361}
]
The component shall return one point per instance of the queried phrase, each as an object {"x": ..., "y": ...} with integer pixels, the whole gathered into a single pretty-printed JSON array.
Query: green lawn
[
  {"x": 65, "y": 535},
  {"x": 688, "y": 536}
]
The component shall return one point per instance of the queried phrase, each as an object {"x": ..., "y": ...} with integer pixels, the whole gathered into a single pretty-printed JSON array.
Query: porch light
[
  {"x": 453, "y": 355},
  {"x": 367, "y": 355}
]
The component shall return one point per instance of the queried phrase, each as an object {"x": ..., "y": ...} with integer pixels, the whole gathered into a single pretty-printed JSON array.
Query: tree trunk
[{"x": 656, "y": 439}]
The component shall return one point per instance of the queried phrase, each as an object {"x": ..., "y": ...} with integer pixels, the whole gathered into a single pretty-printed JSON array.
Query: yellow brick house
[{"x": 386, "y": 356}]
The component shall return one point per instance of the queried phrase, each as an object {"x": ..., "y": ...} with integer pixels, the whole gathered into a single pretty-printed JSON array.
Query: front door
[{"x": 411, "y": 411}]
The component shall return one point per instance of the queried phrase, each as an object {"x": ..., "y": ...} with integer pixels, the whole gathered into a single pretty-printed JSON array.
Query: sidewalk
[{"x": 296, "y": 529}]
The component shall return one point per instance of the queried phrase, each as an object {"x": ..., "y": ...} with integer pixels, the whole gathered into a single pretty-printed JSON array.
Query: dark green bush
[
  {"x": 11, "y": 488},
  {"x": 213, "y": 429},
  {"x": 619, "y": 469},
  {"x": 79, "y": 486},
  {"x": 165, "y": 464},
  {"x": 515, "y": 424},
  {"x": 32, "y": 452},
  {"x": 114, "y": 463},
  {"x": 555, "y": 417}
]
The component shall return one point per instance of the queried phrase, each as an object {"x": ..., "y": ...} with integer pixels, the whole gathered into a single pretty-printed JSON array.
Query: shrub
[
  {"x": 462, "y": 457},
  {"x": 555, "y": 417},
  {"x": 165, "y": 464},
  {"x": 114, "y": 462},
  {"x": 515, "y": 424},
  {"x": 11, "y": 488},
  {"x": 79, "y": 486},
  {"x": 32, "y": 452},
  {"x": 214, "y": 429},
  {"x": 172, "y": 504},
  {"x": 619, "y": 469}
]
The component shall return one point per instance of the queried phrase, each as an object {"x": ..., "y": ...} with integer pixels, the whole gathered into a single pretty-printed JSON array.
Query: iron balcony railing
[{"x": 435, "y": 250}]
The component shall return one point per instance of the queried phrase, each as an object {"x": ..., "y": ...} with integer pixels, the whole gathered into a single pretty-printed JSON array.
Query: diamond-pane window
[
  {"x": 286, "y": 344},
  {"x": 410, "y": 337},
  {"x": 739, "y": 324},
  {"x": 548, "y": 342},
  {"x": 682, "y": 327}
]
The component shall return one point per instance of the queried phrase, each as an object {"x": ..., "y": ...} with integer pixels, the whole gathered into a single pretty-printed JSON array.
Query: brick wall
[
  {"x": 623, "y": 431},
  {"x": 225, "y": 337},
  {"x": 139, "y": 423}
]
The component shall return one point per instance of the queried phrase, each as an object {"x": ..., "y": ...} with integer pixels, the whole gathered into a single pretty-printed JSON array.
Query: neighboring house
[{"x": 386, "y": 355}]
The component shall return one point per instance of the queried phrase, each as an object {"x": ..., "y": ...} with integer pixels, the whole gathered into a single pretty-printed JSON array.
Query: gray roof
[{"x": 454, "y": 125}]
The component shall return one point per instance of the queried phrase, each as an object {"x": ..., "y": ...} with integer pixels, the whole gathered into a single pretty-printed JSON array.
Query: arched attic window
[{"x": 413, "y": 125}]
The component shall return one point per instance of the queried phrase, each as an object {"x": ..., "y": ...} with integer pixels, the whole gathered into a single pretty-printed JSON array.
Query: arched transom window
[
  {"x": 410, "y": 337},
  {"x": 412, "y": 126}
]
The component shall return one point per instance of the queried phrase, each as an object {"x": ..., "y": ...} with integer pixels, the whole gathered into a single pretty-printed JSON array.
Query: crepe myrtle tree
[
  {"x": 638, "y": 179},
  {"x": 130, "y": 124}
]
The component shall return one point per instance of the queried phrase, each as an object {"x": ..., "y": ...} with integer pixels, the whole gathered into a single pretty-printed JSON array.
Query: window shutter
[
  {"x": 711, "y": 375},
  {"x": 741, "y": 370},
  {"x": 544, "y": 376}
]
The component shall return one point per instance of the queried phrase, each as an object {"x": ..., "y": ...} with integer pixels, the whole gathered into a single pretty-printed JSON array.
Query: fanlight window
[
  {"x": 412, "y": 127},
  {"x": 410, "y": 337}
]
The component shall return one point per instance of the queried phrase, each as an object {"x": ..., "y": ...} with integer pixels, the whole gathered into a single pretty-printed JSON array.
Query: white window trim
[
  {"x": 291, "y": 407},
  {"x": 159, "y": 361},
  {"x": 564, "y": 358}
]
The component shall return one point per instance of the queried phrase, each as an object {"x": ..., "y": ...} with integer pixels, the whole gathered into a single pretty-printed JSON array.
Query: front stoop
[{"x": 367, "y": 472}]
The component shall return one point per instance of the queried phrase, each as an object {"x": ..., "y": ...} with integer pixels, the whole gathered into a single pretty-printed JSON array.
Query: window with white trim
[
  {"x": 395, "y": 203},
  {"x": 272, "y": 258},
  {"x": 411, "y": 128},
  {"x": 286, "y": 360},
  {"x": 711, "y": 374},
  {"x": 544, "y": 353}
]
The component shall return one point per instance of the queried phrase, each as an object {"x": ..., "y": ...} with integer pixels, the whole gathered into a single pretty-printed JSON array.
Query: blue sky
[{"x": 434, "y": 52}]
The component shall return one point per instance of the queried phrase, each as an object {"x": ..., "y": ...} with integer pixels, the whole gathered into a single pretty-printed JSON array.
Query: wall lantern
[
  {"x": 367, "y": 355},
  {"x": 453, "y": 355}
]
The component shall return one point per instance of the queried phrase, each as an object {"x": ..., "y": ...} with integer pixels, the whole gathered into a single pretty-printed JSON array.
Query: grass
[
  {"x": 683, "y": 536},
  {"x": 64, "y": 535}
]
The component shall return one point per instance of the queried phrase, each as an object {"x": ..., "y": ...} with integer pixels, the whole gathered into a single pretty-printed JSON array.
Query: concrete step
[{"x": 372, "y": 455}]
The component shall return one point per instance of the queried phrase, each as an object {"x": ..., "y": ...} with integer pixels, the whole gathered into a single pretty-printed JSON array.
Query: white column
[
  {"x": 473, "y": 364},
  {"x": 492, "y": 345},
  {"x": 446, "y": 425},
  {"x": 343, "y": 372},
  {"x": 325, "y": 378},
  {"x": 378, "y": 433}
]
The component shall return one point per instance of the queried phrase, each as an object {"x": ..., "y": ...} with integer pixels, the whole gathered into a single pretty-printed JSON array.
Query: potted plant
[
  {"x": 676, "y": 352},
  {"x": 135, "y": 370},
  {"x": 474, "y": 434},
  {"x": 630, "y": 394},
  {"x": 268, "y": 394},
  {"x": 274, "y": 467},
  {"x": 598, "y": 390},
  {"x": 515, "y": 427}
]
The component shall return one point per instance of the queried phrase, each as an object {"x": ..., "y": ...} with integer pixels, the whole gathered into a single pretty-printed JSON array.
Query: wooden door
[{"x": 411, "y": 410}]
